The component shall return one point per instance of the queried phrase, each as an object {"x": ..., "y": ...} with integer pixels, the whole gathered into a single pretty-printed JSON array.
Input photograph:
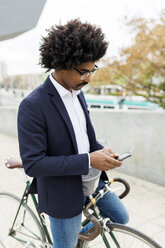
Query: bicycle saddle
[{"x": 12, "y": 162}]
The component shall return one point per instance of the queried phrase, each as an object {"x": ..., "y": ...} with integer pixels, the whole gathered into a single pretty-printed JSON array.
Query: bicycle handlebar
[
  {"x": 95, "y": 221},
  {"x": 92, "y": 218},
  {"x": 126, "y": 184}
]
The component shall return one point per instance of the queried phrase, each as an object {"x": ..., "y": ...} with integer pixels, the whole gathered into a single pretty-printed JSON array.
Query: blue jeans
[{"x": 65, "y": 231}]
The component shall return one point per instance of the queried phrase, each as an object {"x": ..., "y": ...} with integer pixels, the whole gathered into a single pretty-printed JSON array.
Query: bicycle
[{"x": 20, "y": 226}]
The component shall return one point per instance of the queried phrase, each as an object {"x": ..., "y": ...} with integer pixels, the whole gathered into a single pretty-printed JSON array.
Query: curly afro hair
[{"x": 72, "y": 44}]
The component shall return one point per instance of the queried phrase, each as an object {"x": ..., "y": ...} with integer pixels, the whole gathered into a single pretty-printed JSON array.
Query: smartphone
[{"x": 125, "y": 155}]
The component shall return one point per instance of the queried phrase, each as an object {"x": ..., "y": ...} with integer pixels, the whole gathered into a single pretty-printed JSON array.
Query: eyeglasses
[{"x": 87, "y": 73}]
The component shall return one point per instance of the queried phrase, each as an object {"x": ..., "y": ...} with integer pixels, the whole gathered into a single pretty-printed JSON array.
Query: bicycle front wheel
[
  {"x": 26, "y": 228},
  {"x": 120, "y": 236}
]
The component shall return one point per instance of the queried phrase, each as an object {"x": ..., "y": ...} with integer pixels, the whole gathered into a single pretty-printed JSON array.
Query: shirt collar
[{"x": 61, "y": 90}]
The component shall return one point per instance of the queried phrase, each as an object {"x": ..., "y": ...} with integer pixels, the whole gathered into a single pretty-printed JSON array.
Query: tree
[{"x": 141, "y": 68}]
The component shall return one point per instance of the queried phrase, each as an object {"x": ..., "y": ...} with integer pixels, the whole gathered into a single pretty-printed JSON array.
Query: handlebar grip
[{"x": 126, "y": 184}]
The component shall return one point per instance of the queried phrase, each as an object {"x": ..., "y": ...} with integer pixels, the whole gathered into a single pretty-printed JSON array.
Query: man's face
[{"x": 77, "y": 77}]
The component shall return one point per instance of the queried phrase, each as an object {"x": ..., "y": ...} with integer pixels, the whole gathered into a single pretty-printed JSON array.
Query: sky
[{"x": 21, "y": 54}]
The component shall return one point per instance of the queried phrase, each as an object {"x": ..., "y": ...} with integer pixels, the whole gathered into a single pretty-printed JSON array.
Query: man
[{"x": 57, "y": 141}]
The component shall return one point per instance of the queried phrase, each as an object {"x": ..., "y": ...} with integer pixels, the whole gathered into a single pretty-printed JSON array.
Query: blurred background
[
  {"x": 126, "y": 97},
  {"x": 127, "y": 94},
  {"x": 132, "y": 72}
]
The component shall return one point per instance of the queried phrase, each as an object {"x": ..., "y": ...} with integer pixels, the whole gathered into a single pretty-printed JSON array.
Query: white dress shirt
[
  {"x": 78, "y": 120},
  {"x": 76, "y": 115}
]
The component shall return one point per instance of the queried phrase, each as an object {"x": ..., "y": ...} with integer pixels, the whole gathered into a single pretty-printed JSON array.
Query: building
[
  {"x": 3, "y": 71},
  {"x": 22, "y": 82}
]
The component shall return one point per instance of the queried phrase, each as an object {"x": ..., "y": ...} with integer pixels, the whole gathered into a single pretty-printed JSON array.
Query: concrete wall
[
  {"x": 8, "y": 120},
  {"x": 143, "y": 131}
]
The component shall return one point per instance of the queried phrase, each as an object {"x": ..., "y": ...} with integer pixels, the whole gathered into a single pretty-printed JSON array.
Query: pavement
[{"x": 145, "y": 202}]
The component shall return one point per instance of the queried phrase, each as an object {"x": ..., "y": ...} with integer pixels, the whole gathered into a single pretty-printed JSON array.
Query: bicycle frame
[
  {"x": 101, "y": 224},
  {"x": 95, "y": 209},
  {"x": 24, "y": 199},
  {"x": 104, "y": 225}
]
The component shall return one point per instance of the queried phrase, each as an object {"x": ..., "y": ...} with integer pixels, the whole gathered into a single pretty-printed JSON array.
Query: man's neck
[{"x": 59, "y": 80}]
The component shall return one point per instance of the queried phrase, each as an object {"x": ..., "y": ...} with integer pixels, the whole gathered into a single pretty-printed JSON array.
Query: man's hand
[
  {"x": 110, "y": 152},
  {"x": 104, "y": 159}
]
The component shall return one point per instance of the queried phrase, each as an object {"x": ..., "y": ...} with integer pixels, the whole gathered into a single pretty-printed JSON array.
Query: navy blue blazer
[{"x": 49, "y": 151}]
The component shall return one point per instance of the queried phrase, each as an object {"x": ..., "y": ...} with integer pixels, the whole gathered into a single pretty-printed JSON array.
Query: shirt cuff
[{"x": 89, "y": 161}]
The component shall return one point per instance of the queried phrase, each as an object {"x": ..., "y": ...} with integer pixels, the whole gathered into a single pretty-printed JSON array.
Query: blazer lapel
[{"x": 58, "y": 103}]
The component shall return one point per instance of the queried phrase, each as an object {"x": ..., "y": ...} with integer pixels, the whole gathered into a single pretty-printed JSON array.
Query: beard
[{"x": 81, "y": 84}]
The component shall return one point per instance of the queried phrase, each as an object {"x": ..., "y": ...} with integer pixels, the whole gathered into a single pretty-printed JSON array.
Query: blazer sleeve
[
  {"x": 33, "y": 146},
  {"x": 99, "y": 146}
]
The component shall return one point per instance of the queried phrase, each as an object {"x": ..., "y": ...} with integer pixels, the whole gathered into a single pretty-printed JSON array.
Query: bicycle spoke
[{"x": 3, "y": 244}]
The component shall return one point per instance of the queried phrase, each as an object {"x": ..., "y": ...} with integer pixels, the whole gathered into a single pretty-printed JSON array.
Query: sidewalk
[{"x": 145, "y": 202}]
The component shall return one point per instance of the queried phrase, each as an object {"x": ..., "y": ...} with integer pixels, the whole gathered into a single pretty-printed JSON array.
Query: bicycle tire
[
  {"x": 126, "y": 237},
  {"x": 30, "y": 230}
]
